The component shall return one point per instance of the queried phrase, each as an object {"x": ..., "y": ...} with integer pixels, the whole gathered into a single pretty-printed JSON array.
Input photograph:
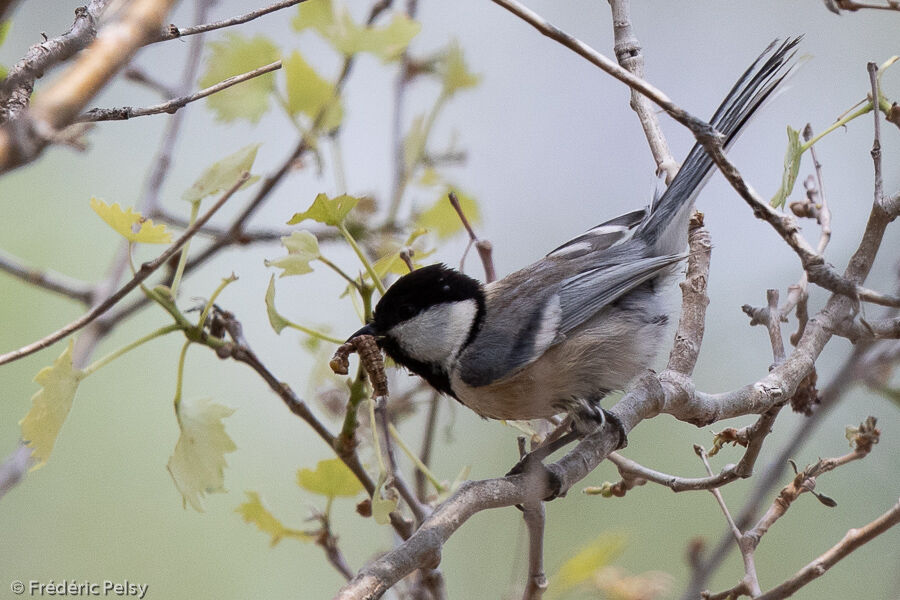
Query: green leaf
[
  {"x": 234, "y": 55},
  {"x": 331, "y": 478},
  {"x": 124, "y": 221},
  {"x": 4, "y": 30},
  {"x": 382, "y": 509},
  {"x": 275, "y": 319},
  {"x": 335, "y": 24},
  {"x": 255, "y": 512},
  {"x": 392, "y": 263},
  {"x": 455, "y": 74},
  {"x": 441, "y": 218},
  {"x": 223, "y": 174},
  {"x": 310, "y": 94},
  {"x": 198, "y": 463},
  {"x": 302, "y": 248},
  {"x": 50, "y": 405},
  {"x": 330, "y": 211},
  {"x": 791, "y": 168},
  {"x": 586, "y": 562}
]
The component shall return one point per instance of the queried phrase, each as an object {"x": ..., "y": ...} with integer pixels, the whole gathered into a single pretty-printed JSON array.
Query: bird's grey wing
[
  {"x": 583, "y": 295},
  {"x": 601, "y": 237}
]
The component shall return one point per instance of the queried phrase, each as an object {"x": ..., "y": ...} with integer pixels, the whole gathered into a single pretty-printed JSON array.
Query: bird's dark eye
[{"x": 406, "y": 311}]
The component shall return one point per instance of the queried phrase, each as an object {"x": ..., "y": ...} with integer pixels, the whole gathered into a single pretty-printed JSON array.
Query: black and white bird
[{"x": 562, "y": 333}]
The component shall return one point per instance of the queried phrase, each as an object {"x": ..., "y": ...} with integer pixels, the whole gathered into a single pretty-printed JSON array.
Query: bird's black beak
[{"x": 367, "y": 330}]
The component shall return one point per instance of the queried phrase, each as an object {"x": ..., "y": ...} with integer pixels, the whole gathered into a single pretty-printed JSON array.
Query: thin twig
[
  {"x": 14, "y": 468},
  {"x": 143, "y": 273},
  {"x": 176, "y": 32},
  {"x": 170, "y": 107},
  {"x": 427, "y": 445},
  {"x": 46, "y": 279},
  {"x": 484, "y": 247}
]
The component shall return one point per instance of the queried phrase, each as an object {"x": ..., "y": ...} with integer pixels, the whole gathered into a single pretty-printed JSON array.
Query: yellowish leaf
[
  {"x": 234, "y": 55},
  {"x": 255, "y": 512},
  {"x": 441, "y": 219},
  {"x": 454, "y": 71},
  {"x": 582, "y": 567},
  {"x": 330, "y": 211},
  {"x": 124, "y": 223},
  {"x": 310, "y": 94},
  {"x": 220, "y": 176},
  {"x": 50, "y": 405},
  {"x": 198, "y": 463},
  {"x": 303, "y": 248},
  {"x": 331, "y": 478}
]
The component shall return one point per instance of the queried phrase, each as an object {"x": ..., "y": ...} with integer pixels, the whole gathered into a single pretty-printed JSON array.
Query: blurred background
[{"x": 551, "y": 149}]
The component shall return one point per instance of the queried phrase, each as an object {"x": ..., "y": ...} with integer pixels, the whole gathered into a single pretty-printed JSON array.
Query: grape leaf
[
  {"x": 791, "y": 168},
  {"x": 442, "y": 219},
  {"x": 310, "y": 94},
  {"x": 234, "y": 55},
  {"x": 335, "y": 24},
  {"x": 331, "y": 478},
  {"x": 198, "y": 462},
  {"x": 255, "y": 512},
  {"x": 223, "y": 174},
  {"x": 455, "y": 74},
  {"x": 124, "y": 221},
  {"x": 50, "y": 405},
  {"x": 330, "y": 211},
  {"x": 302, "y": 248}
]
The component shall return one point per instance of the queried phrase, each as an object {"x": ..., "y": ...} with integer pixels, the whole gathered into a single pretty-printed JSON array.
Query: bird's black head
[{"x": 426, "y": 318}]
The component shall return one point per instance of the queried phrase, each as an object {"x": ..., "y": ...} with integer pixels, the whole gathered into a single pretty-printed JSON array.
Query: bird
[{"x": 559, "y": 335}]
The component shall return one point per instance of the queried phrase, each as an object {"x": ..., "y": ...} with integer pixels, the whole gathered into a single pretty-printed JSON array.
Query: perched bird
[{"x": 560, "y": 334}]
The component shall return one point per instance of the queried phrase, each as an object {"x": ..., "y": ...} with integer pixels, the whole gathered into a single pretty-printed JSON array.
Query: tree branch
[
  {"x": 128, "y": 112},
  {"x": 174, "y": 32},
  {"x": 48, "y": 280},
  {"x": 143, "y": 273}
]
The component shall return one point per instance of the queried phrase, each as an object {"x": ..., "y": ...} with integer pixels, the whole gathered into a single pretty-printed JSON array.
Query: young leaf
[
  {"x": 382, "y": 509},
  {"x": 255, "y": 512},
  {"x": 414, "y": 143},
  {"x": 455, "y": 73},
  {"x": 791, "y": 168},
  {"x": 331, "y": 478},
  {"x": 234, "y": 55},
  {"x": 50, "y": 405},
  {"x": 275, "y": 319},
  {"x": 198, "y": 463},
  {"x": 330, "y": 211},
  {"x": 442, "y": 219},
  {"x": 335, "y": 24},
  {"x": 223, "y": 174},
  {"x": 124, "y": 221},
  {"x": 310, "y": 94},
  {"x": 302, "y": 248},
  {"x": 586, "y": 562},
  {"x": 392, "y": 263}
]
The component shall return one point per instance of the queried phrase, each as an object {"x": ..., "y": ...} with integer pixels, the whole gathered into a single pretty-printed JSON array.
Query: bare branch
[
  {"x": 628, "y": 53},
  {"x": 23, "y": 139},
  {"x": 694, "y": 300},
  {"x": 850, "y": 542},
  {"x": 484, "y": 247},
  {"x": 175, "y": 32},
  {"x": 534, "y": 516},
  {"x": 128, "y": 112},
  {"x": 770, "y": 316},
  {"x": 143, "y": 273},
  {"x": 14, "y": 468},
  {"x": 836, "y": 6},
  {"x": 48, "y": 280}
]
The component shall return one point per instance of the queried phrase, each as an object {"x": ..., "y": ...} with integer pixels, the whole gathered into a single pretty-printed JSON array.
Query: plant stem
[
  {"x": 182, "y": 261},
  {"x": 415, "y": 459},
  {"x": 179, "y": 380},
  {"x": 212, "y": 299},
  {"x": 362, "y": 257},
  {"x": 839, "y": 123},
  {"x": 102, "y": 362}
]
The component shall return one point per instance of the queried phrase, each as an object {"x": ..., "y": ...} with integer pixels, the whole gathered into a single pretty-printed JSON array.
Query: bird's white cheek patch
[{"x": 437, "y": 334}]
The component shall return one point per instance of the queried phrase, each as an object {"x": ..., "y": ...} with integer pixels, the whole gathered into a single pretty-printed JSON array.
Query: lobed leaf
[
  {"x": 220, "y": 176},
  {"x": 303, "y": 248},
  {"x": 455, "y": 74},
  {"x": 232, "y": 56},
  {"x": 255, "y": 512},
  {"x": 50, "y": 405},
  {"x": 124, "y": 222},
  {"x": 198, "y": 462},
  {"x": 330, "y": 211},
  {"x": 332, "y": 478}
]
